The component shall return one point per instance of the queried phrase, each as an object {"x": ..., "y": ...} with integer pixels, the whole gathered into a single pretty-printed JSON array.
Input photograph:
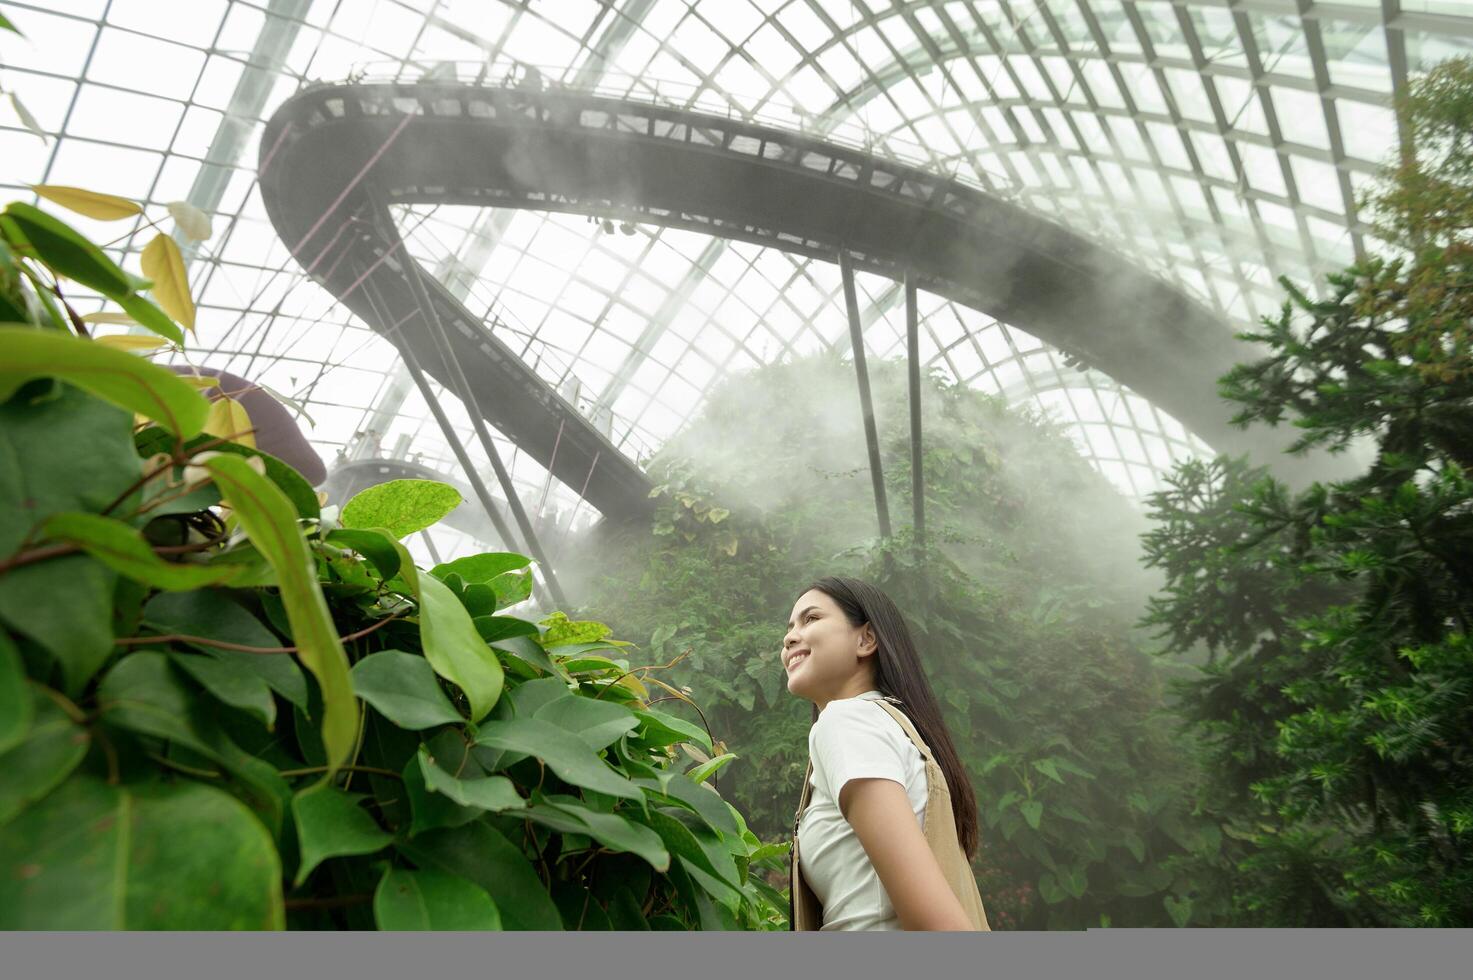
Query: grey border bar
[{"x": 1143, "y": 954}]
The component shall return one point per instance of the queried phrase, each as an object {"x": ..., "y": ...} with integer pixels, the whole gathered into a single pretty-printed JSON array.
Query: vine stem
[
  {"x": 332, "y": 902},
  {"x": 242, "y": 647},
  {"x": 311, "y": 769}
]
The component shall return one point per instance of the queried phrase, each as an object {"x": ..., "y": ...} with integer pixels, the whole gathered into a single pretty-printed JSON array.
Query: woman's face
[{"x": 823, "y": 656}]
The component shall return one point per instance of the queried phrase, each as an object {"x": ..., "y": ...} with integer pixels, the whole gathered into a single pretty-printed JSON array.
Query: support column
[
  {"x": 456, "y": 446},
  {"x": 871, "y": 436},
  {"x": 462, "y": 389},
  {"x": 913, "y": 361}
]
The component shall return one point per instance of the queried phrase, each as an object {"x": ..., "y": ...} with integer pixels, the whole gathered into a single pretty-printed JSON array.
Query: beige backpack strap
[{"x": 910, "y": 730}]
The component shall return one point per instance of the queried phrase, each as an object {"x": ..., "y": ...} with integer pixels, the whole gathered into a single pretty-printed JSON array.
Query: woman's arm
[{"x": 879, "y": 811}]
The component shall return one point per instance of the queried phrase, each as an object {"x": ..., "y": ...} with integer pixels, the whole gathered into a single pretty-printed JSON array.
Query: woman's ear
[{"x": 867, "y": 642}]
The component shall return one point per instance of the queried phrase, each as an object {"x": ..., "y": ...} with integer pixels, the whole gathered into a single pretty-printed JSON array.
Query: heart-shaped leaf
[
  {"x": 431, "y": 900},
  {"x": 330, "y": 823}
]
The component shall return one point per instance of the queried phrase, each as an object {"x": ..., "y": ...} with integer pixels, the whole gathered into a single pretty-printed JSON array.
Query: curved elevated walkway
[{"x": 334, "y": 157}]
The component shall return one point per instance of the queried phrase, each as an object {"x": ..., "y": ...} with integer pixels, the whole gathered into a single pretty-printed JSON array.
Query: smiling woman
[{"x": 886, "y": 841}]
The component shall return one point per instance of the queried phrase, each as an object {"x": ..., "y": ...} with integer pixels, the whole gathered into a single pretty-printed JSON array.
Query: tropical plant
[
  {"x": 1335, "y": 712},
  {"x": 221, "y": 708}
]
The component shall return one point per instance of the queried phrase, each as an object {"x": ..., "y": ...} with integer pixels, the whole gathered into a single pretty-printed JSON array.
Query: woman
[{"x": 884, "y": 840}]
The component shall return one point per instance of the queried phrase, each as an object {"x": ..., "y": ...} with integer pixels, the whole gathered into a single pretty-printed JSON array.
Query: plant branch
[
  {"x": 311, "y": 769},
  {"x": 243, "y": 648},
  {"x": 333, "y": 902}
]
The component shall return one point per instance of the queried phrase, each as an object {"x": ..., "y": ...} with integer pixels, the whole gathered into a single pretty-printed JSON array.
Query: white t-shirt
[{"x": 853, "y": 739}]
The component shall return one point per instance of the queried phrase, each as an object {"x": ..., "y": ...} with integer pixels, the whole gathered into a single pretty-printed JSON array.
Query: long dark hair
[{"x": 898, "y": 674}]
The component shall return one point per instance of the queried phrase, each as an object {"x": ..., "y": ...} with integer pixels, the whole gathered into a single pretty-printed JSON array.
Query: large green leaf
[
  {"x": 450, "y": 641},
  {"x": 286, "y": 478},
  {"x": 121, "y": 547},
  {"x": 210, "y": 615},
  {"x": 564, "y": 752},
  {"x": 663, "y": 729},
  {"x": 496, "y": 628},
  {"x": 429, "y": 810},
  {"x": 68, "y": 252},
  {"x": 16, "y": 707},
  {"x": 492, "y": 793},
  {"x": 65, "y": 605},
  {"x": 330, "y": 823},
  {"x": 124, "y": 379},
  {"x": 175, "y": 856},
  {"x": 53, "y": 746},
  {"x": 402, "y": 687},
  {"x": 598, "y": 723},
  {"x": 268, "y": 517},
  {"x": 701, "y": 850},
  {"x": 65, "y": 452},
  {"x": 232, "y": 682},
  {"x": 483, "y": 567},
  {"x": 699, "y": 798},
  {"x": 144, "y": 693},
  {"x": 609, "y": 829},
  {"x": 481, "y": 854},
  {"x": 400, "y": 506},
  {"x": 430, "y": 900}
]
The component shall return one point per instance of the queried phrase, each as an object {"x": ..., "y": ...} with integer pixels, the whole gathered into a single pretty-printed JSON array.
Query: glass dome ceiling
[{"x": 1219, "y": 144}]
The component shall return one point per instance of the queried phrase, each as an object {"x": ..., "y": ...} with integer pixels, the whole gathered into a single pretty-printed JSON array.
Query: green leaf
[
  {"x": 1046, "y": 766},
  {"x": 66, "y": 606},
  {"x": 565, "y": 753},
  {"x": 68, "y": 252},
  {"x": 481, "y": 568},
  {"x": 494, "y": 793},
  {"x": 286, "y": 478},
  {"x": 701, "y": 850},
  {"x": 511, "y": 587},
  {"x": 66, "y": 452},
  {"x": 53, "y": 746},
  {"x": 210, "y": 615},
  {"x": 705, "y": 770},
  {"x": 373, "y": 545},
  {"x": 402, "y": 687},
  {"x": 400, "y": 506},
  {"x": 269, "y": 520},
  {"x": 121, "y": 547},
  {"x": 232, "y": 683},
  {"x": 1049, "y": 890},
  {"x": 330, "y": 823},
  {"x": 493, "y": 629},
  {"x": 147, "y": 314},
  {"x": 159, "y": 856},
  {"x": 663, "y": 729},
  {"x": 597, "y": 723},
  {"x": 482, "y": 855},
  {"x": 144, "y": 693},
  {"x": 613, "y": 831},
  {"x": 430, "y": 810},
  {"x": 451, "y": 644},
  {"x": 16, "y": 707},
  {"x": 1180, "y": 910},
  {"x": 430, "y": 900},
  {"x": 529, "y": 652},
  {"x": 701, "y": 799},
  {"x": 7, "y": 25},
  {"x": 124, "y": 379},
  {"x": 1134, "y": 844},
  {"x": 1032, "y": 812}
]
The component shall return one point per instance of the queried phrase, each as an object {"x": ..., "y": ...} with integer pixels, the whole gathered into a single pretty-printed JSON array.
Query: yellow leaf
[
  {"x": 228, "y": 420},
  {"x": 632, "y": 683},
  {"x": 135, "y": 342},
  {"x": 199, "y": 382},
  {"x": 191, "y": 220},
  {"x": 165, "y": 266},
  {"x": 103, "y": 207},
  {"x": 118, "y": 319}
]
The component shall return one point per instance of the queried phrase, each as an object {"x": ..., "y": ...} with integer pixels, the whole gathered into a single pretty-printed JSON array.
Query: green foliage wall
[
  {"x": 1023, "y": 608},
  {"x": 222, "y": 709}
]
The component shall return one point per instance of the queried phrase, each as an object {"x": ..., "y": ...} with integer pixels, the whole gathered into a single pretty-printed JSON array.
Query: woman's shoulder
[{"x": 847, "y": 713}]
